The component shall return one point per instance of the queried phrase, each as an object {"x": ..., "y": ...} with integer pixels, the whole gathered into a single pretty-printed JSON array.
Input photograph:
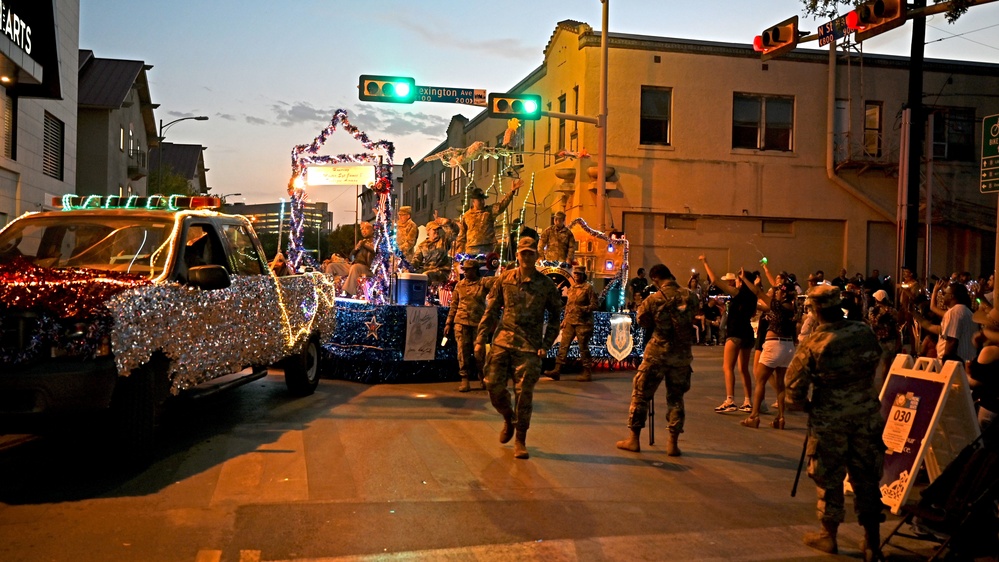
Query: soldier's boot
[
  {"x": 824, "y": 540},
  {"x": 555, "y": 372},
  {"x": 632, "y": 443},
  {"x": 672, "y": 449},
  {"x": 507, "y": 432},
  {"x": 482, "y": 384},
  {"x": 870, "y": 545},
  {"x": 464, "y": 387},
  {"x": 586, "y": 376},
  {"x": 520, "y": 445}
]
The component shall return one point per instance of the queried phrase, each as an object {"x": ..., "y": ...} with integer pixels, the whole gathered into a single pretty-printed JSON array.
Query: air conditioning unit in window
[{"x": 517, "y": 161}]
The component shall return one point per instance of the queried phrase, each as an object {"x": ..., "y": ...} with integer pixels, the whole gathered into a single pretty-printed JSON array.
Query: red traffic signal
[
  {"x": 874, "y": 17},
  {"x": 777, "y": 40}
]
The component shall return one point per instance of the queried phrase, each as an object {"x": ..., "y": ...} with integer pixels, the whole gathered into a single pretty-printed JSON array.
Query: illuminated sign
[
  {"x": 341, "y": 175},
  {"x": 15, "y": 28}
]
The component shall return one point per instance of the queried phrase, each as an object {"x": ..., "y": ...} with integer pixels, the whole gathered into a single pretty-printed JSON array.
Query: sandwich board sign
[{"x": 929, "y": 418}]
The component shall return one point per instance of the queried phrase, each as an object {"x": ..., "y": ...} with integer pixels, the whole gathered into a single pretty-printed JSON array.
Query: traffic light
[
  {"x": 874, "y": 17},
  {"x": 389, "y": 89},
  {"x": 524, "y": 106},
  {"x": 777, "y": 40}
]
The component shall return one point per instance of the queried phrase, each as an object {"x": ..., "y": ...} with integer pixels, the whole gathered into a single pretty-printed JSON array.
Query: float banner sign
[{"x": 341, "y": 175}]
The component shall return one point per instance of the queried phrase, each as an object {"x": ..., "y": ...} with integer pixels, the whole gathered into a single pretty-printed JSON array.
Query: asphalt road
[{"x": 414, "y": 472}]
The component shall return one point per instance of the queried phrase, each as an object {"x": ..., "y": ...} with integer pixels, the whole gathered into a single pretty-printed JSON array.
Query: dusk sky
[{"x": 270, "y": 74}]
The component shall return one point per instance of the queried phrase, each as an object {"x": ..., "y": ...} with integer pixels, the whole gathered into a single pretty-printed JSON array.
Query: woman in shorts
[
  {"x": 778, "y": 346},
  {"x": 739, "y": 338}
]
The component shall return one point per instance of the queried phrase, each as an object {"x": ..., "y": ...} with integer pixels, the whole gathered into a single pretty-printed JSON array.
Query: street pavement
[{"x": 416, "y": 472}]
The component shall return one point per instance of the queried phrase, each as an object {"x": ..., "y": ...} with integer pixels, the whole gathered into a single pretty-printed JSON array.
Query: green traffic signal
[
  {"x": 523, "y": 106},
  {"x": 388, "y": 89}
]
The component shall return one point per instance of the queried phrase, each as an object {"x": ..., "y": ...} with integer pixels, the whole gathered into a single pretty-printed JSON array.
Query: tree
[
  {"x": 164, "y": 181},
  {"x": 342, "y": 240},
  {"x": 830, "y": 8}
]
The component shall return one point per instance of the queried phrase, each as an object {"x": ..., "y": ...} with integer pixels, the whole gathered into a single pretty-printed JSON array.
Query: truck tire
[
  {"x": 133, "y": 416},
  {"x": 301, "y": 371}
]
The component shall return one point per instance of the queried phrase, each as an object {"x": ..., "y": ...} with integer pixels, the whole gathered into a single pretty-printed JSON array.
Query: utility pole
[{"x": 916, "y": 136}]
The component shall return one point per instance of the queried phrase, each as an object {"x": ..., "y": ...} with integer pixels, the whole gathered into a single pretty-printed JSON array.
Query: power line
[{"x": 961, "y": 36}]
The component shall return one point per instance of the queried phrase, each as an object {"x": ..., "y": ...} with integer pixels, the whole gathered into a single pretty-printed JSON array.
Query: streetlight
[
  {"x": 222, "y": 197},
  {"x": 159, "y": 139}
]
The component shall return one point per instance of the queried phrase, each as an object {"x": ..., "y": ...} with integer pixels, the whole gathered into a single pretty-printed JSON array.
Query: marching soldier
[
  {"x": 477, "y": 231},
  {"x": 669, "y": 312},
  {"x": 468, "y": 304},
  {"x": 514, "y": 322},
  {"x": 557, "y": 242},
  {"x": 577, "y": 324},
  {"x": 838, "y": 363}
]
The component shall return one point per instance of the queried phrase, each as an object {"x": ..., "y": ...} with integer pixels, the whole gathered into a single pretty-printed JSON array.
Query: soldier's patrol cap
[
  {"x": 477, "y": 193},
  {"x": 527, "y": 243},
  {"x": 579, "y": 270},
  {"x": 432, "y": 225},
  {"x": 405, "y": 210},
  {"x": 824, "y": 296},
  {"x": 559, "y": 215},
  {"x": 470, "y": 264}
]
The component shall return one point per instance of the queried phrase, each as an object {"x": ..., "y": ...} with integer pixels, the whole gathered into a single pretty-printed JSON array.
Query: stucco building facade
[{"x": 716, "y": 152}]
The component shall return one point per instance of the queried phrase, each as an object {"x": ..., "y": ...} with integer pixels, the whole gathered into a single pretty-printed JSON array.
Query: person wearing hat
[
  {"x": 557, "y": 242},
  {"x": 739, "y": 336},
  {"x": 883, "y": 319},
  {"x": 431, "y": 257},
  {"x": 514, "y": 323},
  {"x": 956, "y": 331},
  {"x": 406, "y": 232},
  {"x": 669, "y": 313},
  {"x": 577, "y": 324},
  {"x": 361, "y": 257},
  {"x": 468, "y": 304},
  {"x": 280, "y": 267},
  {"x": 477, "y": 230},
  {"x": 836, "y": 365}
]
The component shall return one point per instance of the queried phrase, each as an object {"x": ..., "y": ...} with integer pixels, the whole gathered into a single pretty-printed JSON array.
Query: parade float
[{"x": 393, "y": 330}]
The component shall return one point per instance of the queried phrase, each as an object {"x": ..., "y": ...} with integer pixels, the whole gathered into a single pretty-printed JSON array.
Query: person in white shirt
[{"x": 957, "y": 331}]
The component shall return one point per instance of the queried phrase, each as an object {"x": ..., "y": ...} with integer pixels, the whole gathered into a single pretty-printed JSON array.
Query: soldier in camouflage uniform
[
  {"x": 514, "y": 322},
  {"x": 477, "y": 231},
  {"x": 557, "y": 242},
  {"x": 406, "y": 232},
  {"x": 431, "y": 258},
  {"x": 669, "y": 312},
  {"x": 837, "y": 363},
  {"x": 578, "y": 323},
  {"x": 468, "y": 304}
]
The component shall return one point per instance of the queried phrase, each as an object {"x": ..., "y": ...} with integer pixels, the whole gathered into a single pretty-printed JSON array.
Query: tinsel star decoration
[{"x": 373, "y": 326}]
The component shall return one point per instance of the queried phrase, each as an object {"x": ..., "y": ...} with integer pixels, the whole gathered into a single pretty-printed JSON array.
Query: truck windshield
[{"x": 131, "y": 245}]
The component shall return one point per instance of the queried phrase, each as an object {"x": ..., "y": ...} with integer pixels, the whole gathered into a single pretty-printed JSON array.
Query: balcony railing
[{"x": 137, "y": 166}]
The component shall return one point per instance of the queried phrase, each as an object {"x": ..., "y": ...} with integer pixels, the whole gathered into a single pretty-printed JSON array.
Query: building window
[
  {"x": 10, "y": 127},
  {"x": 654, "y": 121},
  {"x": 762, "y": 122},
  {"x": 561, "y": 123},
  {"x": 131, "y": 140},
  {"x": 872, "y": 128},
  {"x": 423, "y": 202},
  {"x": 53, "y": 147},
  {"x": 121, "y": 139},
  {"x": 954, "y": 133},
  {"x": 455, "y": 182}
]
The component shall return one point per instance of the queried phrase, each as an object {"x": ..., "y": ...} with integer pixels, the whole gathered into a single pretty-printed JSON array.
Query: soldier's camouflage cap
[
  {"x": 527, "y": 243},
  {"x": 824, "y": 296},
  {"x": 470, "y": 264},
  {"x": 559, "y": 214},
  {"x": 432, "y": 225}
]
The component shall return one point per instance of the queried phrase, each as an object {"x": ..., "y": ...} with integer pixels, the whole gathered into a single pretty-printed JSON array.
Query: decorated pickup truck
[{"x": 115, "y": 304}]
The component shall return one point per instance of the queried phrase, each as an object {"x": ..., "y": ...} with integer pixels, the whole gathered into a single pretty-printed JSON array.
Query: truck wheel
[
  {"x": 133, "y": 416},
  {"x": 301, "y": 371}
]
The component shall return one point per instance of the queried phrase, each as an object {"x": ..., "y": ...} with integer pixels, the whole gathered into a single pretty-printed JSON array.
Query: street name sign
[
  {"x": 990, "y": 154},
  {"x": 466, "y": 96},
  {"x": 832, "y": 31}
]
